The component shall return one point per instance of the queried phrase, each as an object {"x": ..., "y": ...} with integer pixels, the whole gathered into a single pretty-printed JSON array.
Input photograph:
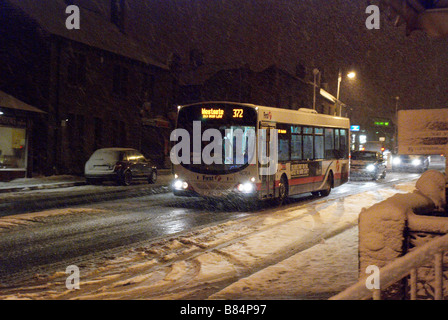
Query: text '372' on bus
[{"x": 225, "y": 149}]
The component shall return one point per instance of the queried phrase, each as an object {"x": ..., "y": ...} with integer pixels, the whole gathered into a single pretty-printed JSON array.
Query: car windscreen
[
  {"x": 108, "y": 155},
  {"x": 371, "y": 156}
]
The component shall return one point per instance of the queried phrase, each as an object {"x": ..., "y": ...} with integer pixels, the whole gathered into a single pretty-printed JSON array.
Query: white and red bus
[{"x": 312, "y": 151}]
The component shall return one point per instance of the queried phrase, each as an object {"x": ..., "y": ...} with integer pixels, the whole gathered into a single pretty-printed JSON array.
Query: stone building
[
  {"x": 272, "y": 86},
  {"x": 98, "y": 86}
]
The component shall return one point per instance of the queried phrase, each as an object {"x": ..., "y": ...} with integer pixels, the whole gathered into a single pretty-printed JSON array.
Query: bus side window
[
  {"x": 318, "y": 143},
  {"x": 329, "y": 144},
  {"x": 284, "y": 142},
  {"x": 308, "y": 147},
  {"x": 296, "y": 143},
  {"x": 343, "y": 143},
  {"x": 337, "y": 151}
]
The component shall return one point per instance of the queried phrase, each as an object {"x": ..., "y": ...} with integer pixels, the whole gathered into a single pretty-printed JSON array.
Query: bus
[{"x": 312, "y": 151}]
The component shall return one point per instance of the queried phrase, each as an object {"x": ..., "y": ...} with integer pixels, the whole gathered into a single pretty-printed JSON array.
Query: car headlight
[
  {"x": 370, "y": 167},
  {"x": 416, "y": 162},
  {"x": 396, "y": 161},
  {"x": 180, "y": 185},
  {"x": 245, "y": 187}
]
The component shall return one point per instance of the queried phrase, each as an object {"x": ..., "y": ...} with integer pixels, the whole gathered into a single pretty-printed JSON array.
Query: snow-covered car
[
  {"x": 122, "y": 165},
  {"x": 367, "y": 164},
  {"x": 418, "y": 163}
]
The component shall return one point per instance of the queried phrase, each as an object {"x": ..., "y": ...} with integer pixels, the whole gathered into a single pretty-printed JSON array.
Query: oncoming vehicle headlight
[
  {"x": 245, "y": 187},
  {"x": 180, "y": 185},
  {"x": 416, "y": 162},
  {"x": 370, "y": 167},
  {"x": 396, "y": 160}
]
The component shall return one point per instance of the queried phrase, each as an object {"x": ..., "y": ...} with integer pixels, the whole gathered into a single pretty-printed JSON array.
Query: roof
[
  {"x": 95, "y": 29},
  {"x": 198, "y": 75},
  {"x": 10, "y": 102}
]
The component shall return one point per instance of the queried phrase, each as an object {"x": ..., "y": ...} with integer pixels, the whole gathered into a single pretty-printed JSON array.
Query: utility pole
[
  {"x": 397, "y": 98},
  {"x": 315, "y": 73}
]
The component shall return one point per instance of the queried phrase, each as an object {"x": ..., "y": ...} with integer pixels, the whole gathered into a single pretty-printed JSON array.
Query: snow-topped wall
[{"x": 384, "y": 228}]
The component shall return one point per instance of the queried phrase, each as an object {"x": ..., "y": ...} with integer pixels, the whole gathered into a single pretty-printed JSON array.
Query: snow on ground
[
  {"x": 299, "y": 252},
  {"x": 44, "y": 187},
  {"x": 13, "y": 221},
  {"x": 319, "y": 272},
  {"x": 40, "y": 180}
]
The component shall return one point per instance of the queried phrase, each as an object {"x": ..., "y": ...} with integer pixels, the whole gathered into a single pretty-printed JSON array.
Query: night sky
[{"x": 327, "y": 34}]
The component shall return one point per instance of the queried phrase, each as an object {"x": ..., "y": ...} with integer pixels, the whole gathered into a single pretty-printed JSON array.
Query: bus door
[{"x": 267, "y": 180}]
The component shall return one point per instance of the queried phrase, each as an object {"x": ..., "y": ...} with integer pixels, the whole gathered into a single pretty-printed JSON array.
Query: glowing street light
[{"x": 351, "y": 75}]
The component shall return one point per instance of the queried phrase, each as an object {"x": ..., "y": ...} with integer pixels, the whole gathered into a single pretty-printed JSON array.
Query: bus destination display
[{"x": 212, "y": 113}]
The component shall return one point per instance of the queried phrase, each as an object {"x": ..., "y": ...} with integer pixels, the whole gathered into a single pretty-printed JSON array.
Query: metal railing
[{"x": 403, "y": 267}]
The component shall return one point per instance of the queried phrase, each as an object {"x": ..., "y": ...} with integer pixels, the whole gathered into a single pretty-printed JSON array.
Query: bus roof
[{"x": 281, "y": 115}]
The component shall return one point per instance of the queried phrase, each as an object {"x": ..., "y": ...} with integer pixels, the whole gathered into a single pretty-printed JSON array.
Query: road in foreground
[{"x": 161, "y": 247}]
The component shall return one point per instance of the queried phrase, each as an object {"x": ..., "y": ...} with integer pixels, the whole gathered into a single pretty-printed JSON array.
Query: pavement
[
  {"x": 42, "y": 193},
  {"x": 51, "y": 182}
]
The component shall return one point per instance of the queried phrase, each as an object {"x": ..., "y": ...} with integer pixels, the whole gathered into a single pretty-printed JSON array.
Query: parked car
[
  {"x": 418, "y": 163},
  {"x": 367, "y": 164},
  {"x": 122, "y": 165}
]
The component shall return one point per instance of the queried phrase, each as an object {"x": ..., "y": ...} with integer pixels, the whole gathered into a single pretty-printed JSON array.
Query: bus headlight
[
  {"x": 180, "y": 185},
  {"x": 416, "y": 162},
  {"x": 370, "y": 167},
  {"x": 245, "y": 187},
  {"x": 396, "y": 161}
]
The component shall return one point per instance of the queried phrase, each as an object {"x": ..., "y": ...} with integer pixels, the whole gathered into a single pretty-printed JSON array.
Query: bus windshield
[{"x": 236, "y": 125}]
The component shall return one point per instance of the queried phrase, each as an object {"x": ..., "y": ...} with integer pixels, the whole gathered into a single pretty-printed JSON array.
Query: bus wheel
[
  {"x": 328, "y": 186},
  {"x": 283, "y": 190}
]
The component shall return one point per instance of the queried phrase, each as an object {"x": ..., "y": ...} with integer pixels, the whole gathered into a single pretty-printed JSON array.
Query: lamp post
[
  {"x": 315, "y": 73},
  {"x": 350, "y": 75},
  {"x": 397, "y": 99}
]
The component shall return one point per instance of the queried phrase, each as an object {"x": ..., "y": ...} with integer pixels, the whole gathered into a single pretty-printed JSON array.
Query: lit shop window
[{"x": 12, "y": 148}]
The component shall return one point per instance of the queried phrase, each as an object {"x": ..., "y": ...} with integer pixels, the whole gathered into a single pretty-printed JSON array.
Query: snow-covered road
[{"x": 304, "y": 251}]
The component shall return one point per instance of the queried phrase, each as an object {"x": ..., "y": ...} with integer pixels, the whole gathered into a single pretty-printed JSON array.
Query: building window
[
  {"x": 117, "y": 8},
  {"x": 147, "y": 86},
  {"x": 75, "y": 130},
  {"x": 98, "y": 131},
  {"x": 120, "y": 81},
  {"x": 71, "y": 130},
  {"x": 115, "y": 133},
  {"x": 76, "y": 70},
  {"x": 12, "y": 148},
  {"x": 122, "y": 136}
]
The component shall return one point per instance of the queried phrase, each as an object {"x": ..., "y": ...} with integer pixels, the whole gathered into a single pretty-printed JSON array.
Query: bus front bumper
[{"x": 240, "y": 191}]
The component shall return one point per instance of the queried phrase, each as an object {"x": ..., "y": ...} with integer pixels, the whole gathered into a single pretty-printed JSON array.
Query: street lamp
[
  {"x": 316, "y": 73},
  {"x": 350, "y": 75},
  {"x": 397, "y": 99}
]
